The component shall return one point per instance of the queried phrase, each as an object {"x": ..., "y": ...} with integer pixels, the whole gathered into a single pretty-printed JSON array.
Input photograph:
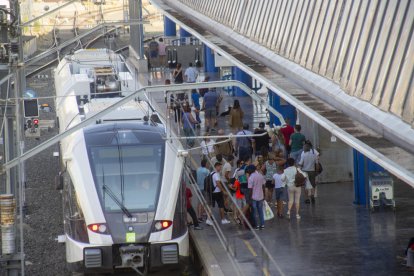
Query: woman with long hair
[{"x": 236, "y": 117}]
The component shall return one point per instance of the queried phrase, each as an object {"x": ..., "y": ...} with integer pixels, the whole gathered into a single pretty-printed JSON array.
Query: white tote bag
[{"x": 267, "y": 211}]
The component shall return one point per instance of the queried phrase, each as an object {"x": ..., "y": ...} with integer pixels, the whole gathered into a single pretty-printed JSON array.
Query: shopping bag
[
  {"x": 268, "y": 213},
  {"x": 308, "y": 185}
]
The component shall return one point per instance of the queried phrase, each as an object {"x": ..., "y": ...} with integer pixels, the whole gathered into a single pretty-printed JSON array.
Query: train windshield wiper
[{"x": 114, "y": 198}]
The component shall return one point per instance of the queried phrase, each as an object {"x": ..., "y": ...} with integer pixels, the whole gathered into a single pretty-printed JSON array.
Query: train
[{"x": 122, "y": 181}]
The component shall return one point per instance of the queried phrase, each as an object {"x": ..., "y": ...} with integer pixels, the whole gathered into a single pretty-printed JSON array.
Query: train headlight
[
  {"x": 160, "y": 225},
  {"x": 99, "y": 228}
]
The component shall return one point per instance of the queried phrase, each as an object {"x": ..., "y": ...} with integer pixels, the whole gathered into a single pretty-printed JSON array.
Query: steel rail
[{"x": 73, "y": 40}]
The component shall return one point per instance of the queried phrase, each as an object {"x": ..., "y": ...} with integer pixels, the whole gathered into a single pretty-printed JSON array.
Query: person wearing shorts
[
  {"x": 217, "y": 195},
  {"x": 279, "y": 181},
  {"x": 209, "y": 105},
  {"x": 271, "y": 167}
]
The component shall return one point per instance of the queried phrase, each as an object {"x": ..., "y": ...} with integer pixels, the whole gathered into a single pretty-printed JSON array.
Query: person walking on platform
[
  {"x": 190, "y": 209},
  {"x": 236, "y": 117},
  {"x": 287, "y": 130},
  {"x": 201, "y": 174},
  {"x": 261, "y": 143},
  {"x": 217, "y": 195},
  {"x": 294, "y": 192},
  {"x": 256, "y": 183},
  {"x": 271, "y": 167},
  {"x": 207, "y": 147},
  {"x": 279, "y": 181},
  {"x": 308, "y": 159},
  {"x": 191, "y": 73},
  {"x": 224, "y": 148},
  {"x": 278, "y": 142},
  {"x": 188, "y": 125},
  {"x": 244, "y": 144},
  {"x": 162, "y": 53},
  {"x": 195, "y": 97},
  {"x": 297, "y": 140},
  {"x": 209, "y": 106},
  {"x": 178, "y": 74}
]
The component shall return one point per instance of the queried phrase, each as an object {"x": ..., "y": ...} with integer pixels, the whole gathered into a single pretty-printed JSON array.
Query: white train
[{"x": 123, "y": 187}]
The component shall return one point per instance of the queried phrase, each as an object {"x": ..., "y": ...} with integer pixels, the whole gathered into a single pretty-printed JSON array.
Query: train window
[{"x": 129, "y": 174}]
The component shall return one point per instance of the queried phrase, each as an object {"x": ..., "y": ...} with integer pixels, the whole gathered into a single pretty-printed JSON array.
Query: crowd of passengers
[{"x": 256, "y": 173}]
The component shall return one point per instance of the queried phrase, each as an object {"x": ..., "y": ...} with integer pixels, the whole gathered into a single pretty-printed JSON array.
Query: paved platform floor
[{"x": 334, "y": 236}]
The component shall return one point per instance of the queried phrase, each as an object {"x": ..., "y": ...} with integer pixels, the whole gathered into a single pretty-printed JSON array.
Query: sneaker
[
  {"x": 288, "y": 214},
  {"x": 225, "y": 221},
  {"x": 297, "y": 216},
  {"x": 238, "y": 221},
  {"x": 198, "y": 228},
  {"x": 209, "y": 222},
  {"x": 262, "y": 227},
  {"x": 307, "y": 201},
  {"x": 200, "y": 220},
  {"x": 257, "y": 228}
]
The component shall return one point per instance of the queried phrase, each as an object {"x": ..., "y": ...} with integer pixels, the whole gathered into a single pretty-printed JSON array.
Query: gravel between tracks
[{"x": 44, "y": 218}]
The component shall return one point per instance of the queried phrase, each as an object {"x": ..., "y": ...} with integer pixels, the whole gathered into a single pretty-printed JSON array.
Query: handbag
[
  {"x": 318, "y": 168},
  {"x": 267, "y": 211},
  {"x": 300, "y": 179}
]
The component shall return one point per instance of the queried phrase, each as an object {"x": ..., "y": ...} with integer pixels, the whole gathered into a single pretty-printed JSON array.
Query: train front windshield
[{"x": 127, "y": 176}]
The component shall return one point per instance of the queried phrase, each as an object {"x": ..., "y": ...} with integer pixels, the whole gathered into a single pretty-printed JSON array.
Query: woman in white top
[
  {"x": 294, "y": 192},
  {"x": 207, "y": 147}
]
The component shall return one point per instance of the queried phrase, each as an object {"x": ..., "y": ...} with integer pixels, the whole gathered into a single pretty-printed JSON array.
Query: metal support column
[
  {"x": 170, "y": 28},
  {"x": 243, "y": 77},
  {"x": 183, "y": 36},
  {"x": 209, "y": 64},
  {"x": 287, "y": 110},
  {"x": 362, "y": 167},
  {"x": 136, "y": 31}
]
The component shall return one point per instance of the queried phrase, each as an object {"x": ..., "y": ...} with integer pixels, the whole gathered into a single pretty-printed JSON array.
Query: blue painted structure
[
  {"x": 287, "y": 110},
  {"x": 209, "y": 64},
  {"x": 169, "y": 27},
  {"x": 183, "y": 35},
  {"x": 363, "y": 166},
  {"x": 243, "y": 77}
]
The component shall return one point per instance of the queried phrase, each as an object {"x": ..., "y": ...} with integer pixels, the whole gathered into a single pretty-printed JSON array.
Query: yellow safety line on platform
[
  {"x": 250, "y": 247},
  {"x": 265, "y": 271}
]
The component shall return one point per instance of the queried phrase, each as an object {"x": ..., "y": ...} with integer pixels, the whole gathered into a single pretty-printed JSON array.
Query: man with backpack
[
  {"x": 244, "y": 144},
  {"x": 214, "y": 187}
]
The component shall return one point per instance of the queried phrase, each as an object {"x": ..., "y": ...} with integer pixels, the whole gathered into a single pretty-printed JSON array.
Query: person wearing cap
[
  {"x": 261, "y": 143},
  {"x": 244, "y": 144},
  {"x": 217, "y": 195}
]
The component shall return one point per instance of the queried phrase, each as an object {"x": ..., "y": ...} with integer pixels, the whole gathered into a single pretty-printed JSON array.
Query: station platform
[{"x": 334, "y": 236}]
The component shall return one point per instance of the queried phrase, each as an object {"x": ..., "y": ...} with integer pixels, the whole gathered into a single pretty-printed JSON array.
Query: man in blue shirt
[
  {"x": 244, "y": 144},
  {"x": 196, "y": 102},
  {"x": 209, "y": 105}
]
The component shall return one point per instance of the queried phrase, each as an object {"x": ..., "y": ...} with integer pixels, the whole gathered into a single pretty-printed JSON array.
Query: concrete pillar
[
  {"x": 363, "y": 166},
  {"x": 169, "y": 27},
  {"x": 287, "y": 110},
  {"x": 243, "y": 77},
  {"x": 209, "y": 64}
]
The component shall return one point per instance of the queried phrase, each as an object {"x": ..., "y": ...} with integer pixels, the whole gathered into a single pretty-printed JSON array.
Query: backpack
[
  {"x": 300, "y": 179},
  {"x": 209, "y": 183}
]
